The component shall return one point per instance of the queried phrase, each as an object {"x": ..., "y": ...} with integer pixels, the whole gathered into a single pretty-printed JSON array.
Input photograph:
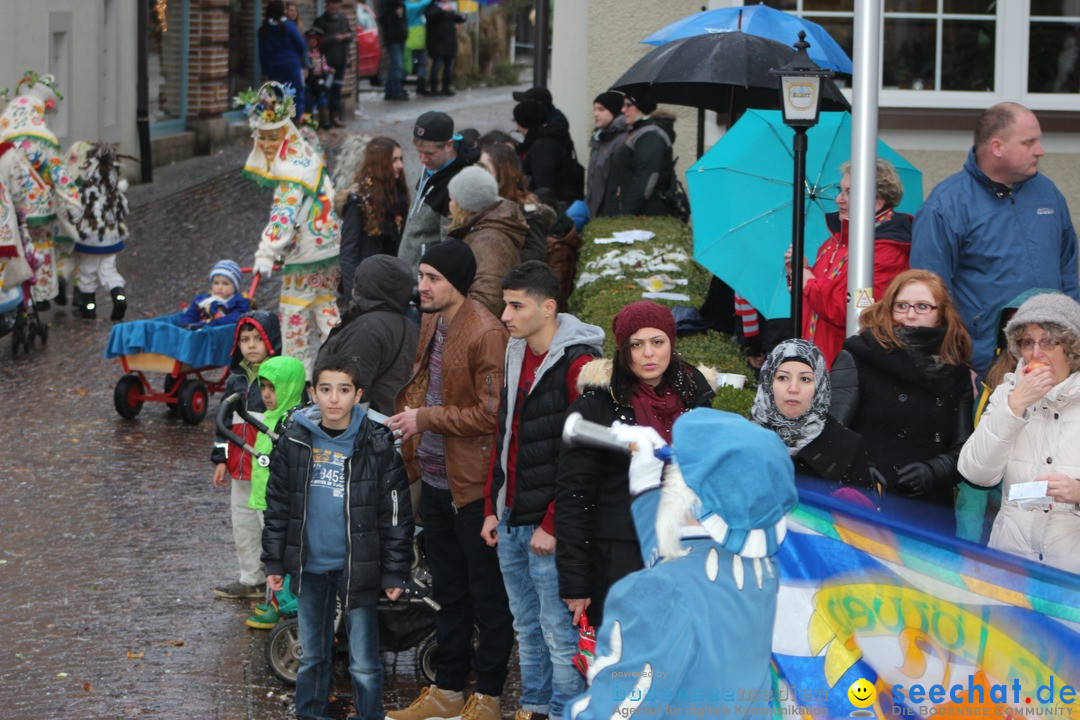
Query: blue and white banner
[{"x": 887, "y": 619}]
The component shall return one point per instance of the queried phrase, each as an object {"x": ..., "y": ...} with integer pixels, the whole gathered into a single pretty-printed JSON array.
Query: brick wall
[
  {"x": 208, "y": 59},
  {"x": 221, "y": 54}
]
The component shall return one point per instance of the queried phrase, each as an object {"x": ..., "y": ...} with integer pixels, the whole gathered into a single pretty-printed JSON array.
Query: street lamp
[{"x": 800, "y": 99}]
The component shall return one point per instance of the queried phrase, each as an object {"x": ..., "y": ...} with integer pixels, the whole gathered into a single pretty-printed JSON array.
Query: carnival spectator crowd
[{"x": 438, "y": 397}]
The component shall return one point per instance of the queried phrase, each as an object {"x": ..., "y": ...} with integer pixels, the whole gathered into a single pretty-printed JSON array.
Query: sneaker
[
  {"x": 262, "y": 607},
  {"x": 433, "y": 704},
  {"x": 264, "y": 620},
  {"x": 239, "y": 591},
  {"x": 529, "y": 715},
  {"x": 482, "y": 707}
]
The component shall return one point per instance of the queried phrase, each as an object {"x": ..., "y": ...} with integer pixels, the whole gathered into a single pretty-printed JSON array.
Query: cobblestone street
[{"x": 111, "y": 533}]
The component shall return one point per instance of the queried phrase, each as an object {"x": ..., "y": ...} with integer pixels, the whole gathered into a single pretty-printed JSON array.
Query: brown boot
[
  {"x": 432, "y": 703},
  {"x": 324, "y": 118},
  {"x": 481, "y": 707}
]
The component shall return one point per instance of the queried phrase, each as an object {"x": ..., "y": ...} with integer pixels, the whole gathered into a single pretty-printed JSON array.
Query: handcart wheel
[
  {"x": 192, "y": 401},
  {"x": 283, "y": 650},
  {"x": 126, "y": 396}
]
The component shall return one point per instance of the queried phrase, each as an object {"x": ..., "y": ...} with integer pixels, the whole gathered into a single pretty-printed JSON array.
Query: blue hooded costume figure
[{"x": 690, "y": 635}]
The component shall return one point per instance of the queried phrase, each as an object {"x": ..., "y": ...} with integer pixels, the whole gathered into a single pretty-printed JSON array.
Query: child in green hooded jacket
[{"x": 282, "y": 381}]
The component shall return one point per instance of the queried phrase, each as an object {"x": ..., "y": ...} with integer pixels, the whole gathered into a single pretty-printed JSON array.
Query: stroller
[
  {"x": 408, "y": 622},
  {"x": 20, "y": 319},
  {"x": 404, "y": 624}
]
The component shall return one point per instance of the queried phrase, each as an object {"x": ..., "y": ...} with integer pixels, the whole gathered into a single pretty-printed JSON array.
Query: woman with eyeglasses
[
  {"x": 903, "y": 383},
  {"x": 1029, "y": 433},
  {"x": 825, "y": 285}
]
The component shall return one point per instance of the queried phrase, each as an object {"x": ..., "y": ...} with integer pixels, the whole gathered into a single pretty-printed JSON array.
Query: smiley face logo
[{"x": 862, "y": 693}]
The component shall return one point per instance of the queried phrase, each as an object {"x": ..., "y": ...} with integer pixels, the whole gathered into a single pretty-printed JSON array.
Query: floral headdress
[
  {"x": 269, "y": 107},
  {"x": 43, "y": 87}
]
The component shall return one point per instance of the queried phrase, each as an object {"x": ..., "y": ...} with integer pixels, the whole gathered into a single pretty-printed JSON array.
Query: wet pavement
[{"x": 111, "y": 533}]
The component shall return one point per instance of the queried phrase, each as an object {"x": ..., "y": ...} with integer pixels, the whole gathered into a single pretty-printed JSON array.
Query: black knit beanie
[
  {"x": 455, "y": 261},
  {"x": 612, "y": 100}
]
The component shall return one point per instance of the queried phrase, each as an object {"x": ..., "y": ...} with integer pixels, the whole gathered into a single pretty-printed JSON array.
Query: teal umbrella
[{"x": 741, "y": 200}]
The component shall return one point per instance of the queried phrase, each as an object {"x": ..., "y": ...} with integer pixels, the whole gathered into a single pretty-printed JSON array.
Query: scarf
[
  {"x": 798, "y": 432},
  {"x": 656, "y": 407}
]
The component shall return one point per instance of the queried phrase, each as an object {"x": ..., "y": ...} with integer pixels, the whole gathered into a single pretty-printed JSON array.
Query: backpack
[{"x": 676, "y": 202}]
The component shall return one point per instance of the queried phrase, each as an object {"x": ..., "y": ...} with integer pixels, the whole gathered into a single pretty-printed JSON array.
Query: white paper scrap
[{"x": 680, "y": 297}]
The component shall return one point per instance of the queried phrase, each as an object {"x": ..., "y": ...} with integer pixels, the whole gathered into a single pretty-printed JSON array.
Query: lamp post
[{"x": 800, "y": 99}]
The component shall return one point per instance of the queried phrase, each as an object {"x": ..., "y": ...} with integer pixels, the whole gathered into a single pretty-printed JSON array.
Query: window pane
[
  {"x": 967, "y": 55},
  {"x": 1052, "y": 64},
  {"x": 786, "y": 5},
  {"x": 841, "y": 30},
  {"x": 908, "y": 55},
  {"x": 971, "y": 7},
  {"x": 829, "y": 5},
  {"x": 911, "y": 6},
  {"x": 1055, "y": 8}
]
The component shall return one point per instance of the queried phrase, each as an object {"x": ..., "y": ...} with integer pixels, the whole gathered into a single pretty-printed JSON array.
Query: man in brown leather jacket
[{"x": 447, "y": 416}]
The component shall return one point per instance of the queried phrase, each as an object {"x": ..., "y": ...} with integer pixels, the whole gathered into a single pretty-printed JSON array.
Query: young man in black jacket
[
  {"x": 543, "y": 358},
  {"x": 339, "y": 520}
]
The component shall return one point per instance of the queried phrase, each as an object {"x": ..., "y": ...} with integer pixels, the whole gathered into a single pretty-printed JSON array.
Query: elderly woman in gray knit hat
[
  {"x": 493, "y": 227},
  {"x": 1029, "y": 432}
]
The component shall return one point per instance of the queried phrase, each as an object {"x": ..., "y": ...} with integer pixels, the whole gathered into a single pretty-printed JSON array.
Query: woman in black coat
[
  {"x": 375, "y": 209},
  {"x": 646, "y": 384},
  {"x": 904, "y": 384},
  {"x": 792, "y": 400}
]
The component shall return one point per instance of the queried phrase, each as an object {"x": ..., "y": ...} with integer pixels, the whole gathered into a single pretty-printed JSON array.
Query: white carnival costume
[
  {"x": 17, "y": 257},
  {"x": 102, "y": 228},
  {"x": 303, "y": 230},
  {"x": 50, "y": 202}
]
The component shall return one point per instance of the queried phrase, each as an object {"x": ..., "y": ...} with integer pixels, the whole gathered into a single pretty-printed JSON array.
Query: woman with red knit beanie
[{"x": 646, "y": 383}]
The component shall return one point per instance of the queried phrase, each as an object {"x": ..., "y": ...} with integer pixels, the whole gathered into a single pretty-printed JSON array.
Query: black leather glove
[{"x": 913, "y": 480}]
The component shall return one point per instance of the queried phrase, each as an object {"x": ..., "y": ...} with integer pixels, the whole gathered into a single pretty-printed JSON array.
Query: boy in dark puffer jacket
[{"x": 339, "y": 521}]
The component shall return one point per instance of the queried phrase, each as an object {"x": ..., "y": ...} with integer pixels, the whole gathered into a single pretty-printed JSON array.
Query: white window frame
[{"x": 1009, "y": 52}]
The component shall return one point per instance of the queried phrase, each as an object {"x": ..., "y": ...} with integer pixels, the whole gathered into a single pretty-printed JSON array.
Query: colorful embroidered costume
[
  {"x": 303, "y": 230},
  {"x": 50, "y": 200},
  {"x": 17, "y": 257}
]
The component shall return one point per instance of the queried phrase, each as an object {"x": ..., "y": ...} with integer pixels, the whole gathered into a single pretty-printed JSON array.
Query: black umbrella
[{"x": 725, "y": 72}]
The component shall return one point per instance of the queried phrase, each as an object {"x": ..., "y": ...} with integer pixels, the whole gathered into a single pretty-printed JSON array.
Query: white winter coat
[{"x": 1019, "y": 449}]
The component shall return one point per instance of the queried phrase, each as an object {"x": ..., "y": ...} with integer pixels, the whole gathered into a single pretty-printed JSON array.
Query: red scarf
[{"x": 658, "y": 410}]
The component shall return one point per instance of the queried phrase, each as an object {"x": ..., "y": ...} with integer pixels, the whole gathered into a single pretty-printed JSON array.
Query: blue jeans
[
  {"x": 395, "y": 71},
  {"x": 445, "y": 65},
  {"x": 420, "y": 64},
  {"x": 317, "y": 606},
  {"x": 546, "y": 636}
]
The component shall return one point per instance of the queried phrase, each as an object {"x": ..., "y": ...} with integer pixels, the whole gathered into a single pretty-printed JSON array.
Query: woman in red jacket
[{"x": 825, "y": 285}]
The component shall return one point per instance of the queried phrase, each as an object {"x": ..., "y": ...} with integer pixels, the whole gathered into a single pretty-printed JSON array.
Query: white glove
[
  {"x": 265, "y": 268},
  {"x": 646, "y": 469}
]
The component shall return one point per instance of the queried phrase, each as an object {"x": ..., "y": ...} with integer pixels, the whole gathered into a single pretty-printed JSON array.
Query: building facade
[
  {"x": 90, "y": 46},
  {"x": 941, "y": 63}
]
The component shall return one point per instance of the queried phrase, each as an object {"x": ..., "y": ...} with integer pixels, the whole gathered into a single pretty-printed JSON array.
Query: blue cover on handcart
[{"x": 207, "y": 346}]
